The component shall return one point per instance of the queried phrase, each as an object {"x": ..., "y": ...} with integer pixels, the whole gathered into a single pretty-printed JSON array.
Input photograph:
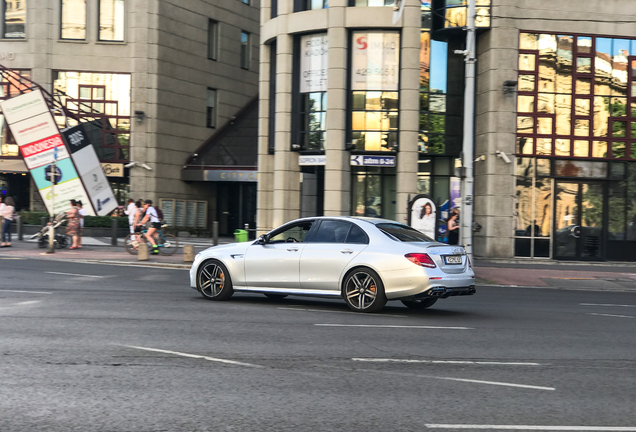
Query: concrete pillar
[
  {"x": 188, "y": 253},
  {"x": 142, "y": 253}
]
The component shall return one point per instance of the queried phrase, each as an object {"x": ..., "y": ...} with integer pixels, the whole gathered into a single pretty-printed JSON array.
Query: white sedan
[{"x": 365, "y": 261}]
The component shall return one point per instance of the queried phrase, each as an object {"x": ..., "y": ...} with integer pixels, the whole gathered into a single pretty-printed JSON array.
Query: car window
[
  {"x": 403, "y": 233},
  {"x": 291, "y": 234},
  {"x": 357, "y": 235},
  {"x": 332, "y": 231}
]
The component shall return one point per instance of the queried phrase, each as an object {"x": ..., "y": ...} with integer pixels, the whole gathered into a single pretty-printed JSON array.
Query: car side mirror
[{"x": 262, "y": 239}]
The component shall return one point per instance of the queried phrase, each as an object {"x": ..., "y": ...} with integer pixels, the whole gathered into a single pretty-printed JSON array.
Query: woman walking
[
  {"x": 7, "y": 214},
  {"x": 73, "y": 228}
]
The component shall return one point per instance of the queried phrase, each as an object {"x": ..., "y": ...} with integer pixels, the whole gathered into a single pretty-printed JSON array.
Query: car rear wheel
[
  {"x": 419, "y": 304},
  {"x": 364, "y": 291},
  {"x": 213, "y": 281}
]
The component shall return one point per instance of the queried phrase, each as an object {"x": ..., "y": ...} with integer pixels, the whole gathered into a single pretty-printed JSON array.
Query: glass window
[
  {"x": 211, "y": 109},
  {"x": 111, "y": 20},
  {"x": 371, "y": 3},
  {"x": 403, "y": 233},
  {"x": 247, "y": 2},
  {"x": 314, "y": 4},
  {"x": 313, "y": 115},
  {"x": 102, "y": 102},
  {"x": 73, "y": 19},
  {"x": 13, "y": 18},
  {"x": 213, "y": 39},
  {"x": 291, "y": 234},
  {"x": 332, "y": 231},
  {"x": 374, "y": 127},
  {"x": 245, "y": 50},
  {"x": 357, "y": 235}
]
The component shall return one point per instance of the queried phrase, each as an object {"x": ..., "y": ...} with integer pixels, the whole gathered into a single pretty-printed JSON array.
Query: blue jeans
[{"x": 6, "y": 231}]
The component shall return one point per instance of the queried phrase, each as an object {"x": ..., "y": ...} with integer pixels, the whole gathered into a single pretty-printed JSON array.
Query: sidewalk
[
  {"x": 100, "y": 250},
  {"x": 612, "y": 276}
]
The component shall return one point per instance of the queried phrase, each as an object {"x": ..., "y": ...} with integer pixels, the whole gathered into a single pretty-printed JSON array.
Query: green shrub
[{"x": 35, "y": 218}]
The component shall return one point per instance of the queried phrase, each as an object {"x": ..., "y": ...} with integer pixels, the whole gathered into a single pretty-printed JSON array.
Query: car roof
[{"x": 372, "y": 220}]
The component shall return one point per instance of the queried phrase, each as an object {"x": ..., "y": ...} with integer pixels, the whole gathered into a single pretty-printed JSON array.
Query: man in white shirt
[
  {"x": 155, "y": 224},
  {"x": 130, "y": 211}
]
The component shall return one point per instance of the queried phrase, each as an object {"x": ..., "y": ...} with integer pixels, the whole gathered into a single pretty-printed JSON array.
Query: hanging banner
[
  {"x": 90, "y": 170},
  {"x": 422, "y": 215},
  {"x": 40, "y": 144},
  {"x": 376, "y": 61},
  {"x": 313, "y": 63}
]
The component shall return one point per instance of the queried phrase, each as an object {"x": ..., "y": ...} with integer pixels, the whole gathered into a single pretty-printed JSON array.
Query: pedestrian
[
  {"x": 7, "y": 214},
  {"x": 82, "y": 213},
  {"x": 453, "y": 228},
  {"x": 131, "y": 211},
  {"x": 151, "y": 216},
  {"x": 2, "y": 206},
  {"x": 73, "y": 228}
]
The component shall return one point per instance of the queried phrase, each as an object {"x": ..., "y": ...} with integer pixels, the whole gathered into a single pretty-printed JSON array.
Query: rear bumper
[{"x": 445, "y": 292}]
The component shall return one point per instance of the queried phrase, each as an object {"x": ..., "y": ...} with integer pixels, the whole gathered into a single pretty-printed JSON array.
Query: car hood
[{"x": 238, "y": 247}]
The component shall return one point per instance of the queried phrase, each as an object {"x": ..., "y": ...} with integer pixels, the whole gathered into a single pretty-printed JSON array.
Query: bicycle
[{"x": 166, "y": 243}]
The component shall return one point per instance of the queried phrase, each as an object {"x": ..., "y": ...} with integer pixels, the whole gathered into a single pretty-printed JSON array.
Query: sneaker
[{"x": 155, "y": 251}]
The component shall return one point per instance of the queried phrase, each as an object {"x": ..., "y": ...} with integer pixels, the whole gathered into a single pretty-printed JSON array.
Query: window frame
[
  {"x": 3, "y": 22},
  {"x": 211, "y": 110},
  {"x": 245, "y": 50}
]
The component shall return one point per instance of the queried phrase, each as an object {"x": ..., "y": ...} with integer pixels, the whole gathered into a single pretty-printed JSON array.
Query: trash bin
[{"x": 240, "y": 235}]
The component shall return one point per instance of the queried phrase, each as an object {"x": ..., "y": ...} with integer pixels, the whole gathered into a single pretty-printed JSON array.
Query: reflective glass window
[
  {"x": 111, "y": 20},
  {"x": 73, "y": 19},
  {"x": 581, "y": 148},
  {"x": 584, "y": 44},
  {"x": 332, "y": 231},
  {"x": 526, "y": 82},
  {"x": 13, "y": 14},
  {"x": 292, "y": 234},
  {"x": 528, "y": 41},
  {"x": 527, "y": 62},
  {"x": 544, "y": 126},
  {"x": 357, "y": 235}
]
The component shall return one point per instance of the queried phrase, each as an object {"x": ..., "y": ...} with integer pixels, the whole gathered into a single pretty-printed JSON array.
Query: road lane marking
[
  {"x": 394, "y": 326},
  {"x": 613, "y": 316},
  {"x": 340, "y": 312},
  {"x": 530, "y": 427},
  {"x": 28, "y": 302},
  {"x": 489, "y": 363},
  {"x": 608, "y": 305},
  {"x": 11, "y": 258},
  {"x": 29, "y": 292},
  {"x": 495, "y": 383},
  {"x": 212, "y": 359},
  {"x": 74, "y": 274}
]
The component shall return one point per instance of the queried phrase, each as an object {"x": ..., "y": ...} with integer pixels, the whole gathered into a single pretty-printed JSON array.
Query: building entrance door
[{"x": 579, "y": 213}]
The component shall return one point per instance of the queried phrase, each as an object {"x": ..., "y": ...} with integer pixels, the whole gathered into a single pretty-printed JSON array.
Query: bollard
[
  {"x": 44, "y": 219},
  {"x": 19, "y": 227},
  {"x": 188, "y": 253},
  {"x": 215, "y": 233},
  {"x": 114, "y": 225},
  {"x": 142, "y": 253}
]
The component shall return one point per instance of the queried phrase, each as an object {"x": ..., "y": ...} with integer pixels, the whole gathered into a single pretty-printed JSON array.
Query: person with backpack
[
  {"x": 8, "y": 211},
  {"x": 152, "y": 216}
]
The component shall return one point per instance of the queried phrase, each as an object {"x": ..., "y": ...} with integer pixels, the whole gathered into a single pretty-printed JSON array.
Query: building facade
[
  {"x": 361, "y": 109},
  {"x": 151, "y": 81}
]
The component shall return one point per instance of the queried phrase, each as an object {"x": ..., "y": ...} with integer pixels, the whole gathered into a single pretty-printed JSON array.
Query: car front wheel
[
  {"x": 419, "y": 304},
  {"x": 364, "y": 291},
  {"x": 213, "y": 281}
]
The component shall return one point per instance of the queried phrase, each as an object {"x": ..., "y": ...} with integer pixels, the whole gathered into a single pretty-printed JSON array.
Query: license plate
[{"x": 453, "y": 259}]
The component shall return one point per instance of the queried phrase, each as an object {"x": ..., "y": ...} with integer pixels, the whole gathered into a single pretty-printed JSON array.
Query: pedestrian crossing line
[
  {"x": 534, "y": 428},
  {"x": 195, "y": 356}
]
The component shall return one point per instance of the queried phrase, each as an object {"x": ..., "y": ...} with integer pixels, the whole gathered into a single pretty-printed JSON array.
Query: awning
[
  {"x": 12, "y": 166},
  {"x": 220, "y": 175}
]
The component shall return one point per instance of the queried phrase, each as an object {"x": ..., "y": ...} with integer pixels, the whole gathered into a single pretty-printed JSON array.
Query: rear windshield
[{"x": 403, "y": 233}]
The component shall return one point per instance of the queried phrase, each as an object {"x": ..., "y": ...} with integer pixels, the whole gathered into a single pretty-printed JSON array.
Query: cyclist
[{"x": 155, "y": 224}]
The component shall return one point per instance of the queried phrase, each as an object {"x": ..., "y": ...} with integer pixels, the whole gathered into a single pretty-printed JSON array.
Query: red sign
[{"x": 41, "y": 145}]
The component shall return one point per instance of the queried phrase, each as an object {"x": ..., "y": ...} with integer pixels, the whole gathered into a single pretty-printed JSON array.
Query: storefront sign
[
  {"x": 113, "y": 169},
  {"x": 376, "y": 60},
  {"x": 90, "y": 170},
  {"x": 313, "y": 63},
  {"x": 312, "y": 160},
  {"x": 382, "y": 161},
  {"x": 41, "y": 145},
  {"x": 231, "y": 175}
]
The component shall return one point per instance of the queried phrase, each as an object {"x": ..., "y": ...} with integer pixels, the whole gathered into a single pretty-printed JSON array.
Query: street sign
[
  {"x": 381, "y": 161},
  {"x": 312, "y": 160}
]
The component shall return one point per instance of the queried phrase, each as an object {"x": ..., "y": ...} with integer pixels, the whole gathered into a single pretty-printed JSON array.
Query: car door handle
[
  {"x": 292, "y": 249},
  {"x": 346, "y": 251}
]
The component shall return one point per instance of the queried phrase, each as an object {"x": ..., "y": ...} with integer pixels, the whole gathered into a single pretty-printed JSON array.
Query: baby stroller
[{"x": 61, "y": 240}]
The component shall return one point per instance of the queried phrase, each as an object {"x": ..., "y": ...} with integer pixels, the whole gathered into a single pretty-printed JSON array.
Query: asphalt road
[{"x": 88, "y": 347}]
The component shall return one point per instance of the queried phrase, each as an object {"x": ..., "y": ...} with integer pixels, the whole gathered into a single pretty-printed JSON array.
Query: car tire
[
  {"x": 214, "y": 281},
  {"x": 363, "y": 291},
  {"x": 275, "y": 296},
  {"x": 419, "y": 304}
]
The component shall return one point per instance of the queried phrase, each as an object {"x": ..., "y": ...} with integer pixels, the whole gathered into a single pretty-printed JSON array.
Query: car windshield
[{"x": 403, "y": 233}]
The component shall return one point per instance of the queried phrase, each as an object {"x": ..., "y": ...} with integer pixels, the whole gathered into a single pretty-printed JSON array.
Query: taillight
[{"x": 421, "y": 259}]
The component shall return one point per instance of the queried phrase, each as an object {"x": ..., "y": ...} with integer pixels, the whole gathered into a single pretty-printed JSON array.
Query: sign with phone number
[{"x": 376, "y": 59}]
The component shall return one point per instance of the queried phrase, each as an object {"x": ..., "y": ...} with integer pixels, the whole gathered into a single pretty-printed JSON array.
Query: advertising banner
[
  {"x": 376, "y": 61},
  {"x": 90, "y": 170},
  {"x": 313, "y": 63},
  {"x": 41, "y": 145},
  {"x": 423, "y": 215}
]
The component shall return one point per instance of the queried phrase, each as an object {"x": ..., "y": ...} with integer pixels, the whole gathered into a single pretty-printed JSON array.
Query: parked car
[{"x": 365, "y": 261}]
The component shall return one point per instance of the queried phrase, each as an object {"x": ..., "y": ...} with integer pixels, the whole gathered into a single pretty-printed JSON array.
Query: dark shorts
[
  {"x": 156, "y": 225},
  {"x": 139, "y": 228}
]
